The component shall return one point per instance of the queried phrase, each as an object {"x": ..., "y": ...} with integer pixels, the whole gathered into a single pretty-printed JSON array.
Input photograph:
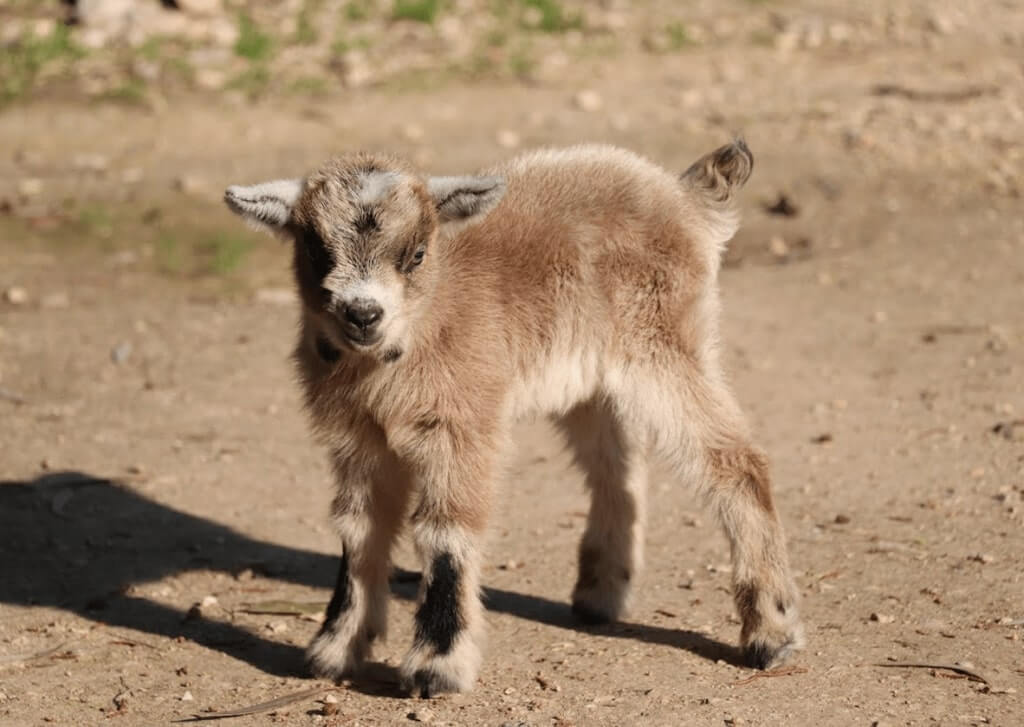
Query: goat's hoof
[
  {"x": 768, "y": 649},
  {"x": 426, "y": 683},
  {"x": 331, "y": 656},
  {"x": 427, "y": 673},
  {"x": 590, "y": 615}
]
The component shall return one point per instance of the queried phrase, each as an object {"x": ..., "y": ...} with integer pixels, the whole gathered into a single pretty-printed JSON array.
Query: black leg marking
[
  {"x": 341, "y": 601},
  {"x": 326, "y": 351},
  {"x": 437, "y": 619}
]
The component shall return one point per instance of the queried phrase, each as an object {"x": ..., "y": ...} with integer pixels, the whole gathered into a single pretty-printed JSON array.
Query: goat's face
[{"x": 364, "y": 229}]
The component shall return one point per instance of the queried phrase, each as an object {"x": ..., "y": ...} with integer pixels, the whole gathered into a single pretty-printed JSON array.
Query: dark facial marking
[
  {"x": 437, "y": 619},
  {"x": 326, "y": 351},
  {"x": 366, "y": 221},
  {"x": 341, "y": 601},
  {"x": 392, "y": 355},
  {"x": 319, "y": 257}
]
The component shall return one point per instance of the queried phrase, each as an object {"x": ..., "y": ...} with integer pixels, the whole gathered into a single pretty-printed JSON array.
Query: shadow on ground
[{"x": 79, "y": 542}]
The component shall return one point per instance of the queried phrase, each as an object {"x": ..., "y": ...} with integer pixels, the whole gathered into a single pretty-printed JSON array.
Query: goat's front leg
[
  {"x": 447, "y": 529},
  {"x": 367, "y": 512}
]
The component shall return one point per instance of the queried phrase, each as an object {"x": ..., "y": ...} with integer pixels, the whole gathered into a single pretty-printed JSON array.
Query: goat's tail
[
  {"x": 719, "y": 174},
  {"x": 714, "y": 179}
]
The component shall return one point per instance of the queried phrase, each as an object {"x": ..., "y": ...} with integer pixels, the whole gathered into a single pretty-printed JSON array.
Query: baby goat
[{"x": 579, "y": 283}]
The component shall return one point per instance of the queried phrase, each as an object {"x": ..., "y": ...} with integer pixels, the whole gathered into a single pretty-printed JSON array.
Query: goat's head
[{"x": 364, "y": 229}]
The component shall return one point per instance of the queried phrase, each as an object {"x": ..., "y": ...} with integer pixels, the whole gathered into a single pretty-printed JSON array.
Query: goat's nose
[{"x": 363, "y": 313}]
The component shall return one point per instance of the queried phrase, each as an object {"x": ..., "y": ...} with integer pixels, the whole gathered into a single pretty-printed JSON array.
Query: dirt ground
[{"x": 154, "y": 455}]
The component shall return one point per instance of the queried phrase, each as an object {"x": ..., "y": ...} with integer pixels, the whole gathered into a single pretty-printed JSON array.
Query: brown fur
[{"x": 578, "y": 283}]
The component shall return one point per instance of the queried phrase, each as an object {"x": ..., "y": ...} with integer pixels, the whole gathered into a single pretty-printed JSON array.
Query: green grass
[
  {"x": 553, "y": 17},
  {"x": 310, "y": 86},
  {"x": 305, "y": 32},
  {"x": 95, "y": 219},
  {"x": 253, "y": 82},
  {"x": 358, "y": 10},
  {"x": 421, "y": 11},
  {"x": 131, "y": 91},
  {"x": 223, "y": 253},
  {"x": 678, "y": 36},
  {"x": 21, "y": 63},
  {"x": 252, "y": 42}
]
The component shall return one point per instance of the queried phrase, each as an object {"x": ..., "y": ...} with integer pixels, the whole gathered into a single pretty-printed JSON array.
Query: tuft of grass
[
  {"x": 224, "y": 253},
  {"x": 358, "y": 10},
  {"x": 678, "y": 37},
  {"x": 309, "y": 86},
  {"x": 131, "y": 91},
  {"x": 252, "y": 42},
  {"x": 305, "y": 32},
  {"x": 96, "y": 219},
  {"x": 553, "y": 17},
  {"x": 253, "y": 82},
  {"x": 21, "y": 63},
  {"x": 421, "y": 11},
  {"x": 169, "y": 258}
]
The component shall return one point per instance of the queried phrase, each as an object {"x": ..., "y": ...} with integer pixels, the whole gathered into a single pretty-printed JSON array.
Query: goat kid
[{"x": 579, "y": 283}]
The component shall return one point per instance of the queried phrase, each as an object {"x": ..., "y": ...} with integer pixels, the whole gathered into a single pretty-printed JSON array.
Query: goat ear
[
  {"x": 460, "y": 198},
  {"x": 268, "y": 205}
]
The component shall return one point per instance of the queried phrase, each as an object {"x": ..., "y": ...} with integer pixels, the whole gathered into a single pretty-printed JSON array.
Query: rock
[
  {"x": 983, "y": 558},
  {"x": 30, "y": 187},
  {"x": 192, "y": 185},
  {"x": 413, "y": 132},
  {"x": 111, "y": 16},
  {"x": 329, "y": 699},
  {"x": 187, "y": 696},
  {"x": 778, "y": 247},
  {"x": 588, "y": 100},
  {"x": 882, "y": 618},
  {"x": 222, "y": 32},
  {"x": 508, "y": 139},
  {"x": 211, "y": 79},
  {"x": 120, "y": 353},
  {"x": 200, "y": 7},
  {"x": 131, "y": 175},
  {"x": 355, "y": 69},
  {"x": 16, "y": 295},
  {"x": 43, "y": 28},
  {"x": 421, "y": 715}
]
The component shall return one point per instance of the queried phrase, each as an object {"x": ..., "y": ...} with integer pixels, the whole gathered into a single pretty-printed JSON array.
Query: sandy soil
[{"x": 153, "y": 453}]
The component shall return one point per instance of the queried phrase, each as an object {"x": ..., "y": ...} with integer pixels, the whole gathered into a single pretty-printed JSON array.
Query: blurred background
[{"x": 153, "y": 453}]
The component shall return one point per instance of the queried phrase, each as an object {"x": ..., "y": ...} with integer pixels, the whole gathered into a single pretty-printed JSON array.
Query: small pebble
[
  {"x": 508, "y": 139},
  {"x": 187, "y": 697},
  {"x": 588, "y": 100},
  {"x": 882, "y": 618},
  {"x": 421, "y": 715},
  {"x": 778, "y": 247},
  {"x": 30, "y": 187},
  {"x": 120, "y": 353},
  {"x": 16, "y": 295}
]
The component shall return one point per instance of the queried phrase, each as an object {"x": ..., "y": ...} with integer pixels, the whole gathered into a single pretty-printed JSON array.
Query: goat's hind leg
[
  {"x": 700, "y": 428},
  {"x": 613, "y": 457}
]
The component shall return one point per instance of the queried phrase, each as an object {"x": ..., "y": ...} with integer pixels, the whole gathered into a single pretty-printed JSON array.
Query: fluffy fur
[{"x": 578, "y": 283}]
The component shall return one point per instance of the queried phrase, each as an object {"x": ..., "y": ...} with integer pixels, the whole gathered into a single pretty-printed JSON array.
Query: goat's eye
[{"x": 416, "y": 259}]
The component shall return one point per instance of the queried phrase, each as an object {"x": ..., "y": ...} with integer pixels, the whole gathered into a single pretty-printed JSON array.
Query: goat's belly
[{"x": 559, "y": 382}]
